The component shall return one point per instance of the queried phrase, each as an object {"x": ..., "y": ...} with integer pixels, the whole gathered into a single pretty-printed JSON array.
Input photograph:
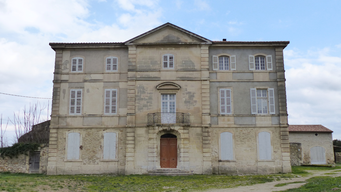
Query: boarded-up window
[
  {"x": 109, "y": 149},
  {"x": 317, "y": 155},
  {"x": 75, "y": 101},
  {"x": 226, "y": 146},
  {"x": 110, "y": 101},
  {"x": 264, "y": 146},
  {"x": 73, "y": 144}
]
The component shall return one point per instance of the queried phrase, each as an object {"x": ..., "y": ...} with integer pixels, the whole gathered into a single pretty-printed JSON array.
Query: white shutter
[
  {"x": 233, "y": 62},
  {"x": 73, "y": 146},
  {"x": 226, "y": 146},
  {"x": 114, "y": 64},
  {"x": 269, "y": 62},
  {"x": 215, "y": 62},
  {"x": 80, "y": 65},
  {"x": 75, "y": 101},
  {"x": 264, "y": 146},
  {"x": 251, "y": 62},
  {"x": 113, "y": 101},
  {"x": 271, "y": 93},
  {"x": 317, "y": 155},
  {"x": 74, "y": 65},
  {"x": 109, "y": 149},
  {"x": 109, "y": 64},
  {"x": 253, "y": 101}
]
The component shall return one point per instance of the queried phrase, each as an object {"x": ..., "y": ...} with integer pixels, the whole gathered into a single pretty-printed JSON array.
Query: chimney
[{"x": 224, "y": 39}]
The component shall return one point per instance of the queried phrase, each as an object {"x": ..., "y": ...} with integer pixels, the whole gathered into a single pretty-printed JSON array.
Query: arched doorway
[{"x": 168, "y": 151}]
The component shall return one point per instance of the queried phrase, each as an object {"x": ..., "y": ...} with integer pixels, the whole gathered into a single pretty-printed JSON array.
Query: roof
[
  {"x": 169, "y": 25},
  {"x": 309, "y": 128}
]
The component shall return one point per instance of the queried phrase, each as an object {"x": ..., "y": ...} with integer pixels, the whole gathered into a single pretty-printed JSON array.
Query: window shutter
[
  {"x": 253, "y": 101},
  {"x": 108, "y": 64},
  {"x": 251, "y": 62},
  {"x": 80, "y": 65},
  {"x": 114, "y": 63},
  {"x": 74, "y": 65},
  {"x": 109, "y": 150},
  {"x": 113, "y": 101},
  {"x": 215, "y": 62},
  {"x": 271, "y": 93},
  {"x": 228, "y": 100},
  {"x": 72, "y": 101},
  {"x": 233, "y": 62},
  {"x": 269, "y": 62},
  {"x": 264, "y": 146},
  {"x": 73, "y": 146},
  {"x": 226, "y": 146},
  {"x": 78, "y": 101},
  {"x": 107, "y": 101}
]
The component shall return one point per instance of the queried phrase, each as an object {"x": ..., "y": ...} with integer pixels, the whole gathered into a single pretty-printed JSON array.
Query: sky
[{"x": 312, "y": 59}]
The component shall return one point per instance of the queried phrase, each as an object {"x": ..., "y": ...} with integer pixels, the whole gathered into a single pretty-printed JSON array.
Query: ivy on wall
[{"x": 17, "y": 149}]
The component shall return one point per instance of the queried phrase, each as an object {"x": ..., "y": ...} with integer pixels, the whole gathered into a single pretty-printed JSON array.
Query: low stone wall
[
  {"x": 44, "y": 154},
  {"x": 14, "y": 165},
  {"x": 337, "y": 157}
]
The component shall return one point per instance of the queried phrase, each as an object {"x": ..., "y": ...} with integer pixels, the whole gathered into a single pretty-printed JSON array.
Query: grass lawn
[{"x": 37, "y": 182}]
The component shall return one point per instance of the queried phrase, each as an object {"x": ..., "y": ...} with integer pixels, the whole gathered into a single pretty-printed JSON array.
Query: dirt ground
[{"x": 270, "y": 186}]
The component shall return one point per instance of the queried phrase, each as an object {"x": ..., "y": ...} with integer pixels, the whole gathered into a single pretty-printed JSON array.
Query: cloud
[
  {"x": 314, "y": 88},
  {"x": 202, "y": 5}
]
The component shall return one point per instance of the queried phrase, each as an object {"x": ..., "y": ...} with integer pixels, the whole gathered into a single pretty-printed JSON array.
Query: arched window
[
  {"x": 260, "y": 62},
  {"x": 226, "y": 146},
  {"x": 224, "y": 63},
  {"x": 264, "y": 146}
]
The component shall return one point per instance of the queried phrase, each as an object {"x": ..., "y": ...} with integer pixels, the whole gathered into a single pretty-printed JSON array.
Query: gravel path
[{"x": 270, "y": 186}]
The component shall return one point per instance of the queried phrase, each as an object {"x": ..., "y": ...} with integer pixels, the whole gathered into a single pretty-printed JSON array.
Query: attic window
[{"x": 168, "y": 61}]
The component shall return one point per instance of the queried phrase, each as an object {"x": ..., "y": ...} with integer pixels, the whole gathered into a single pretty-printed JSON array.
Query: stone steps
[{"x": 169, "y": 172}]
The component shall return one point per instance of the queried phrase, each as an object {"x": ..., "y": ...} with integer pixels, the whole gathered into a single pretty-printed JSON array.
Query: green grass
[
  {"x": 283, "y": 184},
  {"x": 25, "y": 182},
  {"x": 302, "y": 170},
  {"x": 317, "y": 184}
]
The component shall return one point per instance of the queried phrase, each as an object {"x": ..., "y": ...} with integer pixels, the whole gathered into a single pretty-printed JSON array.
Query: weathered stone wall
[
  {"x": 14, "y": 165},
  {"x": 309, "y": 140},
  {"x": 337, "y": 157},
  {"x": 44, "y": 153},
  {"x": 295, "y": 154}
]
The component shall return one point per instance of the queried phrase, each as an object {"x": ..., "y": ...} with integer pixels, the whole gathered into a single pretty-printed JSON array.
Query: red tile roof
[{"x": 309, "y": 128}]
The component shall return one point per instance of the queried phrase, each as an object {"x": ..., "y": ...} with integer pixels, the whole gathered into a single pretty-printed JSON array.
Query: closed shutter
[
  {"x": 75, "y": 101},
  {"x": 109, "y": 64},
  {"x": 317, "y": 155},
  {"x": 110, "y": 101},
  {"x": 215, "y": 62},
  {"x": 225, "y": 101},
  {"x": 73, "y": 143},
  {"x": 226, "y": 146},
  {"x": 74, "y": 65},
  {"x": 264, "y": 146},
  {"x": 253, "y": 101},
  {"x": 109, "y": 150},
  {"x": 269, "y": 62},
  {"x": 114, "y": 64},
  {"x": 271, "y": 93},
  {"x": 80, "y": 65},
  {"x": 233, "y": 62},
  {"x": 251, "y": 62}
]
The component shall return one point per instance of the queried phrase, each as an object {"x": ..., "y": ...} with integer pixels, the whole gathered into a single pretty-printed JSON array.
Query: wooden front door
[
  {"x": 168, "y": 151},
  {"x": 34, "y": 162}
]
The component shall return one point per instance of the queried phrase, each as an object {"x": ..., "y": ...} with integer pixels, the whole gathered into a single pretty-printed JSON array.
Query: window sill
[
  {"x": 108, "y": 160},
  {"x": 227, "y": 161},
  {"x": 73, "y": 160},
  {"x": 266, "y": 160}
]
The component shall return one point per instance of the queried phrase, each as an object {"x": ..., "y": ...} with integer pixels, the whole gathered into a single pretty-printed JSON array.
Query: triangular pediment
[{"x": 168, "y": 34}]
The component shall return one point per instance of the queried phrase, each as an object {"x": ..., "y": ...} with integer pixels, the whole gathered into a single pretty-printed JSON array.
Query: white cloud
[
  {"x": 178, "y": 3},
  {"x": 314, "y": 88},
  {"x": 202, "y": 5}
]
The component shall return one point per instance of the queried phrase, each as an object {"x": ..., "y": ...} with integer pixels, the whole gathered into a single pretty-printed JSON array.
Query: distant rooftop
[{"x": 309, "y": 128}]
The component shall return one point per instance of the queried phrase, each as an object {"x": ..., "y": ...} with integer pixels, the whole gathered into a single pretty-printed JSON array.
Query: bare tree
[
  {"x": 3, "y": 139},
  {"x": 25, "y": 119}
]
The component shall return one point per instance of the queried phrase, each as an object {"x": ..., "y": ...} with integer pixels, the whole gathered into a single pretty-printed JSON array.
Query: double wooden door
[{"x": 168, "y": 152}]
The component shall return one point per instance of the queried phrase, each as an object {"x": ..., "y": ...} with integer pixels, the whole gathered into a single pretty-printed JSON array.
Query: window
[
  {"x": 75, "y": 101},
  {"x": 111, "y": 64},
  {"x": 224, "y": 63},
  {"x": 260, "y": 62},
  {"x": 73, "y": 144},
  {"x": 264, "y": 146},
  {"x": 109, "y": 149},
  {"x": 168, "y": 61},
  {"x": 168, "y": 109},
  {"x": 110, "y": 101},
  {"x": 262, "y": 101},
  {"x": 226, "y": 146},
  {"x": 225, "y": 101},
  {"x": 77, "y": 64}
]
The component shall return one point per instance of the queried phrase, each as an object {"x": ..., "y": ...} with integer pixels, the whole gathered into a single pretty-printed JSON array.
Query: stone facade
[
  {"x": 21, "y": 164},
  {"x": 337, "y": 157},
  {"x": 295, "y": 154},
  {"x": 321, "y": 140},
  {"x": 168, "y": 68}
]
